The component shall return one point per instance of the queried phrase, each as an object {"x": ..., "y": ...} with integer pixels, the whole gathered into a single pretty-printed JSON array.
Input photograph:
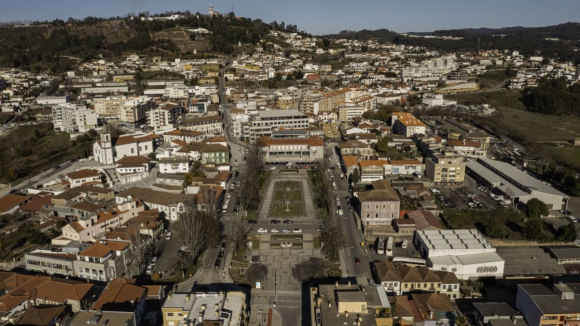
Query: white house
[
  {"x": 174, "y": 165},
  {"x": 84, "y": 177}
]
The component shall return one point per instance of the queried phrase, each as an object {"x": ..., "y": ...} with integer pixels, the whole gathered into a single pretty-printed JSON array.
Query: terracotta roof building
[
  {"x": 123, "y": 295},
  {"x": 40, "y": 290},
  {"x": 380, "y": 205},
  {"x": 400, "y": 279},
  {"x": 11, "y": 203}
]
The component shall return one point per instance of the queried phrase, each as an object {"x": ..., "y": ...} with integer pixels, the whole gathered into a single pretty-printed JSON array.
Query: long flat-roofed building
[
  {"x": 465, "y": 252},
  {"x": 265, "y": 122},
  {"x": 529, "y": 263},
  {"x": 549, "y": 304},
  {"x": 303, "y": 150},
  {"x": 516, "y": 184}
]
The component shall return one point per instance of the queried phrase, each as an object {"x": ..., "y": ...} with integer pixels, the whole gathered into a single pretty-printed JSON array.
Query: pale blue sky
[{"x": 324, "y": 16}]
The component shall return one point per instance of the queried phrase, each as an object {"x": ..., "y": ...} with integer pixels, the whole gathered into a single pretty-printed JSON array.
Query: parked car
[
  {"x": 262, "y": 230},
  {"x": 318, "y": 230},
  {"x": 154, "y": 260},
  {"x": 275, "y": 222},
  {"x": 252, "y": 222},
  {"x": 275, "y": 231},
  {"x": 288, "y": 221},
  {"x": 357, "y": 260},
  {"x": 297, "y": 230},
  {"x": 286, "y": 230},
  {"x": 168, "y": 235}
]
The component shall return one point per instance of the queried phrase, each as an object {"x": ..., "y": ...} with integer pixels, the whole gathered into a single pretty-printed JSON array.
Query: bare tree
[
  {"x": 249, "y": 190},
  {"x": 256, "y": 272},
  {"x": 138, "y": 247},
  {"x": 333, "y": 236},
  {"x": 196, "y": 230},
  {"x": 240, "y": 231},
  {"x": 322, "y": 187},
  {"x": 309, "y": 269}
]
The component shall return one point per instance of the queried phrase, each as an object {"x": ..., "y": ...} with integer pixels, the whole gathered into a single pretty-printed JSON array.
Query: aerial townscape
[{"x": 207, "y": 169}]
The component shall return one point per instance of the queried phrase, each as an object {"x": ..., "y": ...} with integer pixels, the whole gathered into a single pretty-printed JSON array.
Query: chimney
[
  {"x": 203, "y": 307},
  {"x": 329, "y": 304},
  {"x": 346, "y": 313},
  {"x": 217, "y": 313},
  {"x": 187, "y": 298},
  {"x": 216, "y": 306},
  {"x": 200, "y": 317},
  {"x": 514, "y": 320},
  {"x": 336, "y": 284},
  {"x": 348, "y": 283},
  {"x": 169, "y": 296},
  {"x": 430, "y": 314}
]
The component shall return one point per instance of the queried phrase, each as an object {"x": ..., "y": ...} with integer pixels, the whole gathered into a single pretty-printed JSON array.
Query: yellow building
[
  {"x": 445, "y": 168},
  {"x": 288, "y": 102},
  {"x": 350, "y": 304}
]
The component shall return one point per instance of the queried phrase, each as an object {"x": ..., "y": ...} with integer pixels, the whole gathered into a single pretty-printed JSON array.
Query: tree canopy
[{"x": 536, "y": 208}]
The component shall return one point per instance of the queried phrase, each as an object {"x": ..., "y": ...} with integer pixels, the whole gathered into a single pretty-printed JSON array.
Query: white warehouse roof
[{"x": 453, "y": 239}]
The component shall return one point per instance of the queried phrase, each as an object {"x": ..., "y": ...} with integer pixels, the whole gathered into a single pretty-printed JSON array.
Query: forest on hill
[{"x": 44, "y": 44}]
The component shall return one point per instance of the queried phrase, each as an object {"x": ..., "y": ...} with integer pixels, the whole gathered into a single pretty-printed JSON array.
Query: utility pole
[{"x": 478, "y": 41}]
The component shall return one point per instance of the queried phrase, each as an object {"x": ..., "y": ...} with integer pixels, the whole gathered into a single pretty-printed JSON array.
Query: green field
[
  {"x": 279, "y": 210},
  {"x": 566, "y": 154},
  {"x": 540, "y": 127}
]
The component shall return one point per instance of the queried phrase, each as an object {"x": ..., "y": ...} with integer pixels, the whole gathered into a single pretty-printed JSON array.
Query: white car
[
  {"x": 262, "y": 230},
  {"x": 297, "y": 231},
  {"x": 340, "y": 212},
  {"x": 154, "y": 260},
  {"x": 275, "y": 231},
  {"x": 272, "y": 168},
  {"x": 168, "y": 236},
  {"x": 287, "y": 231}
]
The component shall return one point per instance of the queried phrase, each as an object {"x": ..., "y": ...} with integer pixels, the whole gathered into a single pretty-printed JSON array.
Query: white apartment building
[
  {"x": 267, "y": 121},
  {"x": 405, "y": 124},
  {"x": 174, "y": 165},
  {"x": 73, "y": 119},
  {"x": 52, "y": 100},
  {"x": 128, "y": 110},
  {"x": 105, "y": 89},
  {"x": 163, "y": 117},
  {"x": 207, "y": 124},
  {"x": 464, "y": 252}
]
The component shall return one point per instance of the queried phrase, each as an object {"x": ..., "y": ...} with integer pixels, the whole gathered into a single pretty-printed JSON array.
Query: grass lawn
[
  {"x": 279, "y": 210},
  {"x": 317, "y": 242},
  {"x": 255, "y": 244},
  {"x": 294, "y": 195},
  {"x": 292, "y": 184}
]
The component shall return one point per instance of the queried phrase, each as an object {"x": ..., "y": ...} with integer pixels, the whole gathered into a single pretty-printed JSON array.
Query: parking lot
[{"x": 469, "y": 196}]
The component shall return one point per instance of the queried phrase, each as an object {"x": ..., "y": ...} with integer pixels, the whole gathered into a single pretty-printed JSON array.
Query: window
[
  {"x": 368, "y": 206},
  {"x": 169, "y": 314},
  {"x": 132, "y": 150}
]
